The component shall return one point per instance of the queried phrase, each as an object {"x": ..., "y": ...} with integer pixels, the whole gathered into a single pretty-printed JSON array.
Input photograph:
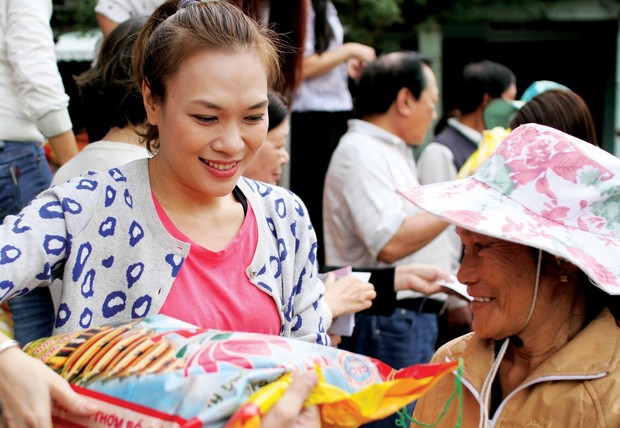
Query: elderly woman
[{"x": 540, "y": 226}]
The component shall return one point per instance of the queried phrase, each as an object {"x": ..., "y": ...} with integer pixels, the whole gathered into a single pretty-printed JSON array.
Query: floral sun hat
[{"x": 545, "y": 189}]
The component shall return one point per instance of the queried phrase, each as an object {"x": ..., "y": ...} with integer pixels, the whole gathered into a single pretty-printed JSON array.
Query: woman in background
[
  {"x": 561, "y": 109},
  {"x": 322, "y": 105}
]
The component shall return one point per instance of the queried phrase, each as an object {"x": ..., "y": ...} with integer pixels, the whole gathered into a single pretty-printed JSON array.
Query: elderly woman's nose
[{"x": 468, "y": 272}]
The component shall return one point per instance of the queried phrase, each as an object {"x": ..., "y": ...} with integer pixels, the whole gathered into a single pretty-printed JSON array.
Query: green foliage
[
  {"x": 389, "y": 25},
  {"x": 74, "y": 15},
  {"x": 382, "y": 13},
  {"x": 366, "y": 20}
]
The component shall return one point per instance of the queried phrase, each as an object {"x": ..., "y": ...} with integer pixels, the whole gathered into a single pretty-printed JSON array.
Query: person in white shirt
[
  {"x": 346, "y": 295},
  {"x": 110, "y": 13},
  {"x": 34, "y": 109},
  {"x": 322, "y": 104},
  {"x": 367, "y": 223}
]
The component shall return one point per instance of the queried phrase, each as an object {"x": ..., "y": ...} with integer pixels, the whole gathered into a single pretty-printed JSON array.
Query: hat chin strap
[
  {"x": 485, "y": 391},
  {"x": 516, "y": 339}
]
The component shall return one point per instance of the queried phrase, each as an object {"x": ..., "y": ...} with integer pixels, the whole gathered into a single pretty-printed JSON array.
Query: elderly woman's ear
[
  {"x": 568, "y": 271},
  {"x": 560, "y": 269}
]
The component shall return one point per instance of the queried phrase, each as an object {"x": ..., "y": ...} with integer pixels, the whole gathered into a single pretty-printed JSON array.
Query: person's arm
[
  {"x": 315, "y": 64},
  {"x": 387, "y": 281},
  {"x": 418, "y": 277},
  {"x": 33, "y": 61},
  {"x": 27, "y": 387},
  {"x": 384, "y": 279},
  {"x": 110, "y": 13},
  {"x": 421, "y": 277},
  {"x": 414, "y": 233},
  {"x": 64, "y": 146},
  {"x": 106, "y": 24}
]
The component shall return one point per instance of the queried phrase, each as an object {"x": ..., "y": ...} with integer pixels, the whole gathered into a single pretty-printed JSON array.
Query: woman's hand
[
  {"x": 289, "y": 411},
  {"x": 359, "y": 56},
  {"x": 27, "y": 387},
  {"x": 361, "y": 52},
  {"x": 336, "y": 339},
  {"x": 348, "y": 294}
]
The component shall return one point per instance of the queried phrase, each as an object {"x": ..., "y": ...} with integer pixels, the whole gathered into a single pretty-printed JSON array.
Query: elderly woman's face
[
  {"x": 500, "y": 276},
  {"x": 267, "y": 165}
]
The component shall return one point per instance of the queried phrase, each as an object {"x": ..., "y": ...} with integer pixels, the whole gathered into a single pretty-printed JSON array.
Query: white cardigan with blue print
[{"x": 101, "y": 233}]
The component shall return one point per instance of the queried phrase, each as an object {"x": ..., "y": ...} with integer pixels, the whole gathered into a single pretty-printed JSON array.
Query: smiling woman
[
  {"x": 181, "y": 233},
  {"x": 209, "y": 131},
  {"x": 539, "y": 225}
]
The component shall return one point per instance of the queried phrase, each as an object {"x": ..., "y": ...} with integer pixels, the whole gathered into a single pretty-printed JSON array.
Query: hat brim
[{"x": 473, "y": 205}]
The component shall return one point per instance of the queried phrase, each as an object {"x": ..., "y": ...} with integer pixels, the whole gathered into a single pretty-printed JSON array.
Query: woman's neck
[
  {"x": 127, "y": 134},
  {"x": 551, "y": 335}
]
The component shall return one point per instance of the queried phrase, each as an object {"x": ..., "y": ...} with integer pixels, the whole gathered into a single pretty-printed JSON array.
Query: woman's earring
[{"x": 564, "y": 276}]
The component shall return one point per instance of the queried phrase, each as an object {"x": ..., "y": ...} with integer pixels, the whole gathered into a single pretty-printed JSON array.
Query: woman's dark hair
[
  {"x": 560, "y": 109},
  {"x": 277, "y": 110},
  {"x": 323, "y": 32},
  {"x": 288, "y": 19},
  {"x": 178, "y": 29},
  {"x": 107, "y": 90}
]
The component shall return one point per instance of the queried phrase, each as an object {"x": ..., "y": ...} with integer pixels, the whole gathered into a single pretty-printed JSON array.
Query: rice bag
[{"x": 161, "y": 372}]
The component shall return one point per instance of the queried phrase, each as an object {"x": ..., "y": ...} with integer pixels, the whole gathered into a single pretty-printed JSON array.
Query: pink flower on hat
[
  {"x": 555, "y": 212},
  {"x": 512, "y": 226},
  {"x": 529, "y": 162},
  {"x": 465, "y": 216},
  {"x": 601, "y": 273}
]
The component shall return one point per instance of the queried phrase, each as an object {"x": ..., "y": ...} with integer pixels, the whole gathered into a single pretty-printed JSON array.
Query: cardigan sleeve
[
  {"x": 310, "y": 315},
  {"x": 35, "y": 243}
]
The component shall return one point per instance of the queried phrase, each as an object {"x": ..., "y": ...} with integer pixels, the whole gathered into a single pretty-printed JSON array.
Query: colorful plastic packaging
[{"x": 161, "y": 372}]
